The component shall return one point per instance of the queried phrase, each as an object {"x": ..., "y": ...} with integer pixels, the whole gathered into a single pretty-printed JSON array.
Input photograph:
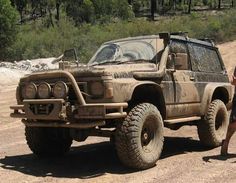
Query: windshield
[{"x": 131, "y": 50}]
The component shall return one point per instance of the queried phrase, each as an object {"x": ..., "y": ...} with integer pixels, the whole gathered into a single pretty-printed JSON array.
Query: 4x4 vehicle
[{"x": 129, "y": 90}]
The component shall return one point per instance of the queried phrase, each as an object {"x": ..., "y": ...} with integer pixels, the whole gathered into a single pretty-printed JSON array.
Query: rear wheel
[
  {"x": 213, "y": 128},
  {"x": 139, "y": 139},
  {"x": 48, "y": 141}
]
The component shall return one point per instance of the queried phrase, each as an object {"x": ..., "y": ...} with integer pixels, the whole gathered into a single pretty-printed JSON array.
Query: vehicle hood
[
  {"x": 85, "y": 71},
  {"x": 117, "y": 71}
]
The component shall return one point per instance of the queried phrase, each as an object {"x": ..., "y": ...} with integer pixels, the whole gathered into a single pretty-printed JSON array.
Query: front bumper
[
  {"x": 58, "y": 109},
  {"x": 51, "y": 109}
]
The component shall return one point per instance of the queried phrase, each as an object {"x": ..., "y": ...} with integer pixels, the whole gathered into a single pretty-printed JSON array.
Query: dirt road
[{"x": 183, "y": 159}]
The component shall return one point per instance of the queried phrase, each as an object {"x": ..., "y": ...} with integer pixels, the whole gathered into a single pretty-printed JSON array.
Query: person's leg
[{"x": 225, "y": 143}]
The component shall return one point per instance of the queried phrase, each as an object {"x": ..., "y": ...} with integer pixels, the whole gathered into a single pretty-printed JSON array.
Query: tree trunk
[
  {"x": 189, "y": 6},
  {"x": 174, "y": 1},
  {"x": 162, "y": 3},
  {"x": 50, "y": 17},
  {"x": 153, "y": 9},
  {"x": 219, "y": 4},
  {"x": 58, "y": 11},
  {"x": 21, "y": 16}
]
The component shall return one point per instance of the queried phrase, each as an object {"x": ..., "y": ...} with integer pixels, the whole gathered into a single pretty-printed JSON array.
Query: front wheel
[
  {"x": 139, "y": 139},
  {"x": 48, "y": 141},
  {"x": 213, "y": 128}
]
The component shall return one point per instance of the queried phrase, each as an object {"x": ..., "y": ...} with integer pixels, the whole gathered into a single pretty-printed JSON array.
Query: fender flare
[
  {"x": 154, "y": 86},
  {"x": 209, "y": 92}
]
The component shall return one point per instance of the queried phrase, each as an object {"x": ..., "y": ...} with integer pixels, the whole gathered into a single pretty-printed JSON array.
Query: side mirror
[
  {"x": 181, "y": 61},
  {"x": 70, "y": 55}
]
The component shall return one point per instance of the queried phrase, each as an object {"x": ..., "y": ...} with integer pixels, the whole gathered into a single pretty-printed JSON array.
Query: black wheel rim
[{"x": 148, "y": 134}]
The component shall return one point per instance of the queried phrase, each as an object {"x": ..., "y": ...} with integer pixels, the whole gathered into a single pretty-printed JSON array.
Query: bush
[
  {"x": 80, "y": 11},
  {"x": 35, "y": 41},
  {"x": 8, "y": 29},
  {"x": 137, "y": 4},
  {"x": 121, "y": 9},
  {"x": 100, "y": 10}
]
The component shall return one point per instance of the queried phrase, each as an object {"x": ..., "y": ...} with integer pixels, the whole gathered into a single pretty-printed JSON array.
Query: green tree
[
  {"x": 8, "y": 19},
  {"x": 91, "y": 11},
  {"x": 20, "y": 6},
  {"x": 80, "y": 11}
]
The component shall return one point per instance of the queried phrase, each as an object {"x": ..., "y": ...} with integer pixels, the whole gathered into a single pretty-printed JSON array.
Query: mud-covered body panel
[
  {"x": 188, "y": 93},
  {"x": 177, "y": 92}
]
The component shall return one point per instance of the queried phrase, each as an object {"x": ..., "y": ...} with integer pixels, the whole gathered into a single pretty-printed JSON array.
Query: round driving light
[
  {"x": 30, "y": 91},
  {"x": 44, "y": 90},
  {"x": 60, "y": 90},
  {"x": 97, "y": 88}
]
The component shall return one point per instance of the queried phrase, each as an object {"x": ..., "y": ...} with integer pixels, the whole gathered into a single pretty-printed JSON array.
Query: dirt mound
[
  {"x": 10, "y": 73},
  {"x": 10, "y": 76}
]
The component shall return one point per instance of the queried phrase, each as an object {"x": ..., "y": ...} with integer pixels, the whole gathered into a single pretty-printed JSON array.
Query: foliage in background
[
  {"x": 36, "y": 41},
  {"x": 90, "y": 11},
  {"x": 8, "y": 29},
  {"x": 100, "y": 11}
]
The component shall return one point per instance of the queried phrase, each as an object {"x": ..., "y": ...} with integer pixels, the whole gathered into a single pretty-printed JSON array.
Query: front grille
[
  {"x": 41, "y": 109},
  {"x": 83, "y": 87}
]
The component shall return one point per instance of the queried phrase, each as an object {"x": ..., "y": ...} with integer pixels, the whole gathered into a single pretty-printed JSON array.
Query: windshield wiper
[
  {"x": 134, "y": 61},
  {"x": 119, "y": 62},
  {"x": 104, "y": 62}
]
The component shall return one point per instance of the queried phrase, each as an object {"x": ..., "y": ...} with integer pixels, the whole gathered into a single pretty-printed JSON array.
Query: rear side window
[{"x": 204, "y": 59}]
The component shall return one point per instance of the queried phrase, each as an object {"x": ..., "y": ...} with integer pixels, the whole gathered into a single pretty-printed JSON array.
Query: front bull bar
[
  {"x": 65, "y": 74},
  {"x": 82, "y": 114}
]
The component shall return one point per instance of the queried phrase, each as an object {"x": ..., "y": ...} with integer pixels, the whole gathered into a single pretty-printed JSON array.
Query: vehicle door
[{"x": 185, "y": 99}]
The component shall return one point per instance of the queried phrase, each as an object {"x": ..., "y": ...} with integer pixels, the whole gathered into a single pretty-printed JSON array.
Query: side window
[
  {"x": 204, "y": 59},
  {"x": 179, "y": 53}
]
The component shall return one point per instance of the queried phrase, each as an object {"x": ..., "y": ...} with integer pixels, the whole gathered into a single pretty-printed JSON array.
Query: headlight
[
  {"x": 29, "y": 91},
  {"x": 96, "y": 88},
  {"x": 44, "y": 90},
  {"x": 60, "y": 90}
]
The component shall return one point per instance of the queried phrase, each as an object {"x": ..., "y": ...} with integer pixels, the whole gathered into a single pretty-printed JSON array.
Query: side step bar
[{"x": 181, "y": 120}]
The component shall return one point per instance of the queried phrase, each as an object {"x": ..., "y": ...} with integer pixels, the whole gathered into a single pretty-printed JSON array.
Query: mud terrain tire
[
  {"x": 213, "y": 128},
  {"x": 48, "y": 141},
  {"x": 139, "y": 139}
]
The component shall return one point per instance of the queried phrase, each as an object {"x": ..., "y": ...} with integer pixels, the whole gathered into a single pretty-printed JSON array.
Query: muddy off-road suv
[{"x": 129, "y": 91}]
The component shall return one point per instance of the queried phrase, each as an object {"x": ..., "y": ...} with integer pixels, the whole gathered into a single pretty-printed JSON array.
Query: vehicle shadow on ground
[{"x": 90, "y": 161}]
